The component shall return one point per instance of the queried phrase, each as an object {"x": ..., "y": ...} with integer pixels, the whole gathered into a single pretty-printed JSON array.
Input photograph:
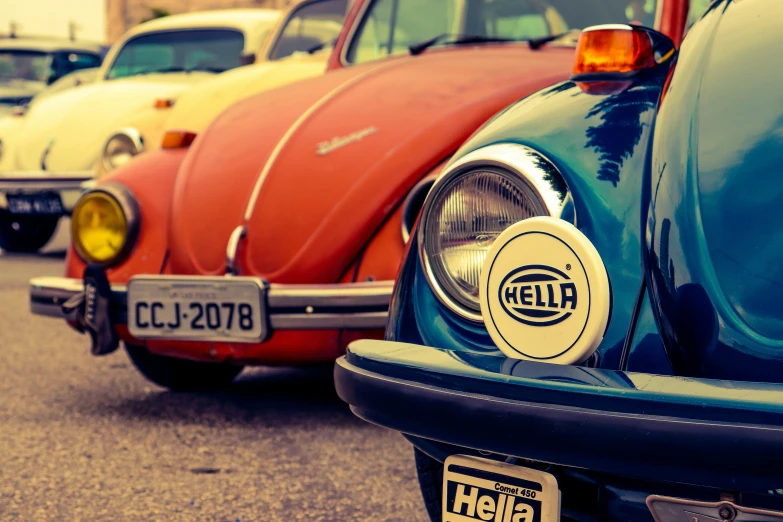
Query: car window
[
  {"x": 213, "y": 50},
  {"x": 75, "y": 61},
  {"x": 312, "y": 25},
  {"x": 390, "y": 26},
  {"x": 19, "y": 64}
]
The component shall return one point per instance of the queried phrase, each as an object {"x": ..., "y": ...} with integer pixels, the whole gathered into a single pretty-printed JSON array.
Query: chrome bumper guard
[{"x": 290, "y": 307}]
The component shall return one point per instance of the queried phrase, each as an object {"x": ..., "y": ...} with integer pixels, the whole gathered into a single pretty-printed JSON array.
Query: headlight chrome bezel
[
  {"x": 126, "y": 201},
  {"x": 528, "y": 169},
  {"x": 129, "y": 133}
]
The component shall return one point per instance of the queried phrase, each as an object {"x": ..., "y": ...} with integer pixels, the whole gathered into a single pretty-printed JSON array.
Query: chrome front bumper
[
  {"x": 290, "y": 307},
  {"x": 40, "y": 181},
  {"x": 69, "y": 185}
]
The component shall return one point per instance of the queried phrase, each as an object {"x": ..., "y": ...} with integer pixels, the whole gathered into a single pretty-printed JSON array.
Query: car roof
[
  {"x": 245, "y": 20},
  {"x": 48, "y": 45}
]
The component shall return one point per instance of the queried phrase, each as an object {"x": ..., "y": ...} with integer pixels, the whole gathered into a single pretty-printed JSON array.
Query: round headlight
[
  {"x": 470, "y": 205},
  {"x": 120, "y": 148},
  {"x": 104, "y": 224}
]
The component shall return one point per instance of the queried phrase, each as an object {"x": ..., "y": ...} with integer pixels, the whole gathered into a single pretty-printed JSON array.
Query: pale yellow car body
[{"x": 64, "y": 133}]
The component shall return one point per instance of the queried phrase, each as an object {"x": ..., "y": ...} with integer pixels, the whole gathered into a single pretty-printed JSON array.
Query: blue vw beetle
[{"x": 588, "y": 323}]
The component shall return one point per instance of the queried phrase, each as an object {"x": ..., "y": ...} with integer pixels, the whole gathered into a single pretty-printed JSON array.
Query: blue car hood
[{"x": 715, "y": 224}]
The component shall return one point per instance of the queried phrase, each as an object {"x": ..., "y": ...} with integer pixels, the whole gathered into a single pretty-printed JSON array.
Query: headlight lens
[
  {"x": 120, "y": 148},
  {"x": 463, "y": 220},
  {"x": 471, "y": 204},
  {"x": 103, "y": 225}
]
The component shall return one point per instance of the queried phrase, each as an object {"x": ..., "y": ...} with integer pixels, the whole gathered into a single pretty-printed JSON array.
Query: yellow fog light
[{"x": 104, "y": 224}]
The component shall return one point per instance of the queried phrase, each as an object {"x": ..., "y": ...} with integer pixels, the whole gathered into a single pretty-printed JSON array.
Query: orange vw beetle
[{"x": 273, "y": 237}]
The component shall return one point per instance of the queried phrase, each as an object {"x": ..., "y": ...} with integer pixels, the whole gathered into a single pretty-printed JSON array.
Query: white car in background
[
  {"x": 57, "y": 144},
  {"x": 60, "y": 151}
]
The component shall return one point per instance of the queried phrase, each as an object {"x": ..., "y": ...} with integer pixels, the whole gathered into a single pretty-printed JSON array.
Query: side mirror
[
  {"x": 248, "y": 58},
  {"x": 619, "y": 52}
]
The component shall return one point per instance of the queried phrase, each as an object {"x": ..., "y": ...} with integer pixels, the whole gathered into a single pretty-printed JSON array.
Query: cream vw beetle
[{"x": 67, "y": 140}]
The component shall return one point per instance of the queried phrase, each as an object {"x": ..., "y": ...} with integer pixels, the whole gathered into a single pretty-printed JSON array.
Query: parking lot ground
[{"x": 86, "y": 438}]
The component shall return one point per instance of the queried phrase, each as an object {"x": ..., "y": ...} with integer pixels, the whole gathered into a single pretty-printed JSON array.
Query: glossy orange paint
[
  {"x": 317, "y": 172},
  {"x": 319, "y": 210}
]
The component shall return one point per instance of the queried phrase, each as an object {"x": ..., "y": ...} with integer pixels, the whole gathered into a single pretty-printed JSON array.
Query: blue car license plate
[
  {"x": 48, "y": 204},
  {"x": 197, "y": 308},
  {"x": 480, "y": 490}
]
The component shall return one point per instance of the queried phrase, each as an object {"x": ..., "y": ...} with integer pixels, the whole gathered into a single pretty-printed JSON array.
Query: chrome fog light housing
[
  {"x": 471, "y": 204},
  {"x": 121, "y": 147}
]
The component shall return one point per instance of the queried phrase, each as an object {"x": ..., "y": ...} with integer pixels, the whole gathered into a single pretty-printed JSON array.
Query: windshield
[
  {"x": 34, "y": 66},
  {"x": 311, "y": 26},
  {"x": 213, "y": 50},
  {"x": 391, "y": 26}
]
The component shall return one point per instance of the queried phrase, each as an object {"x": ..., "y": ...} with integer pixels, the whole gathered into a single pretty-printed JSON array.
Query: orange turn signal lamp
[
  {"x": 616, "y": 52},
  {"x": 177, "y": 139},
  {"x": 163, "y": 103}
]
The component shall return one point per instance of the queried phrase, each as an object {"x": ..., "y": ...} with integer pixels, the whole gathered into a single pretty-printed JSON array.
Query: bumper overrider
[
  {"x": 721, "y": 434},
  {"x": 98, "y": 307}
]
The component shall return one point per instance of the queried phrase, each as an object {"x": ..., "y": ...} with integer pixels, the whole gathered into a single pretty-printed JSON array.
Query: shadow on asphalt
[{"x": 261, "y": 396}]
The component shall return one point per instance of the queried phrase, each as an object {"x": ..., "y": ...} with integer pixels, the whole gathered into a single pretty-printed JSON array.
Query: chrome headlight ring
[
  {"x": 520, "y": 174},
  {"x": 126, "y": 201},
  {"x": 121, "y": 147},
  {"x": 413, "y": 204}
]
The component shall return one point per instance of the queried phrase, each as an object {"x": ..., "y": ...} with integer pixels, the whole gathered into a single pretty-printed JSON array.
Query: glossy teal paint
[
  {"x": 687, "y": 200},
  {"x": 715, "y": 228},
  {"x": 600, "y": 144},
  {"x": 585, "y": 387},
  {"x": 646, "y": 352},
  {"x": 661, "y": 430}
]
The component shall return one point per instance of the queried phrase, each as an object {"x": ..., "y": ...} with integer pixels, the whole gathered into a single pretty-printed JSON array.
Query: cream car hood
[
  {"x": 74, "y": 126},
  {"x": 197, "y": 108}
]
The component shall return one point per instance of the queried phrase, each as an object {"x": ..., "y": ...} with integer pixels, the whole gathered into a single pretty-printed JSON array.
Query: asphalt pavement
[{"x": 86, "y": 438}]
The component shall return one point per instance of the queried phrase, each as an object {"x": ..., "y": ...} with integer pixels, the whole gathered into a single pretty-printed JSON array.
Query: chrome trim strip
[
  {"x": 290, "y": 307},
  {"x": 352, "y": 32},
  {"x": 35, "y": 181},
  {"x": 406, "y": 223},
  {"x": 295, "y": 127},
  {"x": 236, "y": 237},
  {"x": 523, "y": 161}
]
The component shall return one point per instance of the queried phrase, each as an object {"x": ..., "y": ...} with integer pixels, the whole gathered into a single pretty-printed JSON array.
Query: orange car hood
[{"x": 313, "y": 169}]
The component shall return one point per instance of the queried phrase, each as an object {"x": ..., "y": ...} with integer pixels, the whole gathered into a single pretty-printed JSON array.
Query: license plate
[
  {"x": 480, "y": 490},
  {"x": 35, "y": 204},
  {"x": 668, "y": 509},
  {"x": 197, "y": 309}
]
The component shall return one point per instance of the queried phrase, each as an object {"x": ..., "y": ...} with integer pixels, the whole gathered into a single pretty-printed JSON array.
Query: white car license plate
[
  {"x": 197, "y": 308},
  {"x": 480, "y": 490}
]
